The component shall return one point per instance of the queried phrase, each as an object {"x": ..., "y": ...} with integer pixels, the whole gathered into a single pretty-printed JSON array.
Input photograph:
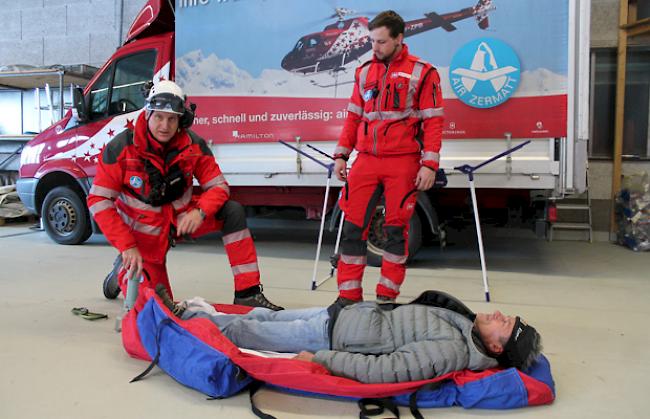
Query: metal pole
[
  {"x": 120, "y": 23},
  {"x": 469, "y": 171},
  {"x": 22, "y": 112},
  {"x": 298, "y": 159},
  {"x": 338, "y": 240},
  {"x": 322, "y": 228},
  {"x": 480, "y": 239},
  {"x": 336, "y": 249},
  {"x": 37, "y": 99},
  {"x": 330, "y": 170},
  {"x": 48, "y": 94}
]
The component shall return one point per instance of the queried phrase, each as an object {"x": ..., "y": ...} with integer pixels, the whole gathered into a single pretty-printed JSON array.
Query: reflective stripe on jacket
[{"x": 395, "y": 108}]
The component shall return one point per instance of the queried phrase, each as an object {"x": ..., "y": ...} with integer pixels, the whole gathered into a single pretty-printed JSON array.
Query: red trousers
[
  {"x": 238, "y": 243},
  {"x": 369, "y": 178}
]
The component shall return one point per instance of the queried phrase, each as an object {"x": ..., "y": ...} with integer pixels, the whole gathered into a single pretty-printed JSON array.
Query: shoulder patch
[
  {"x": 200, "y": 142},
  {"x": 115, "y": 147}
]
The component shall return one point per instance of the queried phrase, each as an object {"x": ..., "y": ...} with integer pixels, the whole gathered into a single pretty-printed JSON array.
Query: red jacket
[
  {"x": 395, "y": 109},
  {"x": 122, "y": 185}
]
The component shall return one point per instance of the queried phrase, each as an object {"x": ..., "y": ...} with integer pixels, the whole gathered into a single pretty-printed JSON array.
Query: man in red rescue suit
[
  {"x": 394, "y": 121},
  {"x": 142, "y": 197}
]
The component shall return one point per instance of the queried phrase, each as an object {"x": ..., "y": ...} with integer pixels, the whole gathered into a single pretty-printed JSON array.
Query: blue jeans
[{"x": 267, "y": 330}]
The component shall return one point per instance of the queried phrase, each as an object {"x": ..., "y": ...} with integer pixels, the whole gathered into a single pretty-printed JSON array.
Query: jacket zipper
[
  {"x": 390, "y": 124},
  {"x": 383, "y": 86},
  {"x": 387, "y": 96}
]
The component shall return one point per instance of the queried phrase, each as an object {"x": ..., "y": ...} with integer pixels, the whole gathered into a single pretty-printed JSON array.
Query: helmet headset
[{"x": 167, "y": 96}]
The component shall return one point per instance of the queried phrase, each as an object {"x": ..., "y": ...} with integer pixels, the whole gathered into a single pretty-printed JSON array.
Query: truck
[{"x": 264, "y": 71}]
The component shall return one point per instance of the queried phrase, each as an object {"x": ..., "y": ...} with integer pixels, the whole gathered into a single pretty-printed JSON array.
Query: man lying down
[{"x": 380, "y": 343}]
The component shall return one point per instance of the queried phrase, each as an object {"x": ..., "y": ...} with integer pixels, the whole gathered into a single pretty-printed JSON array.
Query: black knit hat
[{"x": 521, "y": 343}]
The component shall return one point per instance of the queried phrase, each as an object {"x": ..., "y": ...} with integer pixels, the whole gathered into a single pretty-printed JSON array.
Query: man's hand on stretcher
[{"x": 305, "y": 356}]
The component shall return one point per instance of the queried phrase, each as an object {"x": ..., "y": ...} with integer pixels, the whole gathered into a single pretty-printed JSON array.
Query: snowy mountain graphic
[{"x": 201, "y": 75}]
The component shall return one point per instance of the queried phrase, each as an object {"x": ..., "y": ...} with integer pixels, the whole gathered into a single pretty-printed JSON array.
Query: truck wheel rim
[
  {"x": 62, "y": 217},
  {"x": 376, "y": 235}
]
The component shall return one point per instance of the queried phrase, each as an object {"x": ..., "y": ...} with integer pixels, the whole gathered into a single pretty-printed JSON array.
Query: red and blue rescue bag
[{"x": 197, "y": 355}]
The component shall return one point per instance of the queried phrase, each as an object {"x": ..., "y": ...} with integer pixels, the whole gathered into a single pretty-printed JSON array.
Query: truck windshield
[
  {"x": 99, "y": 95},
  {"x": 124, "y": 93},
  {"x": 130, "y": 74}
]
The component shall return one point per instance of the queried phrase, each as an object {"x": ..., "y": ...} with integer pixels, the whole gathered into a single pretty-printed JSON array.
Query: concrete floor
[{"x": 589, "y": 301}]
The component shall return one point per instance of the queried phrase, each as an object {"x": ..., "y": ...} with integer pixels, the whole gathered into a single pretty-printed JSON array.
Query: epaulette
[{"x": 115, "y": 146}]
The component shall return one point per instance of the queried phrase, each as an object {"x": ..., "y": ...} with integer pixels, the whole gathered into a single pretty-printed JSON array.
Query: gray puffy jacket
[{"x": 412, "y": 342}]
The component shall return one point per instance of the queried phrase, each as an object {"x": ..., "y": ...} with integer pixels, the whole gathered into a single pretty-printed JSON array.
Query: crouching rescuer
[{"x": 142, "y": 198}]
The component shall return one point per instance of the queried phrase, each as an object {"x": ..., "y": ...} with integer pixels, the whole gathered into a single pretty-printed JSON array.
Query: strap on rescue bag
[
  {"x": 380, "y": 405},
  {"x": 413, "y": 398},
  {"x": 164, "y": 322},
  {"x": 252, "y": 389}
]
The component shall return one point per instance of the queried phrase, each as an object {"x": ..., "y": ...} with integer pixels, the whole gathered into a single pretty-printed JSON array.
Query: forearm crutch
[
  {"x": 469, "y": 171},
  {"x": 330, "y": 169}
]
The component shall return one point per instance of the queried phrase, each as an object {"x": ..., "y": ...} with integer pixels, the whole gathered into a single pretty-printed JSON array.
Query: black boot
[
  {"x": 253, "y": 297},
  {"x": 111, "y": 286},
  {"x": 342, "y": 301},
  {"x": 386, "y": 303},
  {"x": 176, "y": 309}
]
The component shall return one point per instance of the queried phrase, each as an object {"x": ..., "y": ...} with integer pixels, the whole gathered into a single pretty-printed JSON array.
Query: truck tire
[
  {"x": 377, "y": 237},
  {"x": 65, "y": 216}
]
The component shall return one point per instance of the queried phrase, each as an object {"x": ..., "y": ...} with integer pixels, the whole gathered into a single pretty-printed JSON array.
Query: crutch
[
  {"x": 469, "y": 171},
  {"x": 334, "y": 259},
  {"x": 330, "y": 169}
]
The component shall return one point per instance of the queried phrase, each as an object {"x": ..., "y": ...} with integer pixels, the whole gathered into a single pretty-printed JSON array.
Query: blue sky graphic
[{"x": 257, "y": 34}]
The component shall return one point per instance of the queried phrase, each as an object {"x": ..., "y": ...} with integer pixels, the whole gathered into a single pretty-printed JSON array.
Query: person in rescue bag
[
  {"x": 142, "y": 198},
  {"x": 394, "y": 121},
  {"x": 380, "y": 343}
]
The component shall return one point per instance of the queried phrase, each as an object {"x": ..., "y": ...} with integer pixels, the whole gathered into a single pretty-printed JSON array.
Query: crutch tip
[{"x": 487, "y": 296}]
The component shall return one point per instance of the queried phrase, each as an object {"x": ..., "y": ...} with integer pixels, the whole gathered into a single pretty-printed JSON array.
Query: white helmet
[{"x": 165, "y": 96}]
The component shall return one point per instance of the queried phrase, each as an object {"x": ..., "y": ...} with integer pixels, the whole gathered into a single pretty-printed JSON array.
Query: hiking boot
[
  {"x": 343, "y": 302},
  {"x": 176, "y": 309},
  {"x": 256, "y": 300},
  {"x": 111, "y": 286}
]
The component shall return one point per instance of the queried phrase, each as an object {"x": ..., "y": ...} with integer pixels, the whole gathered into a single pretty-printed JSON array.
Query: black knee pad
[
  {"x": 351, "y": 243},
  {"x": 394, "y": 240},
  {"x": 233, "y": 216}
]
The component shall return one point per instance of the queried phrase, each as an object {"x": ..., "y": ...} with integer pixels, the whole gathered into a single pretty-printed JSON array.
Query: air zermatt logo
[
  {"x": 136, "y": 181},
  {"x": 484, "y": 73}
]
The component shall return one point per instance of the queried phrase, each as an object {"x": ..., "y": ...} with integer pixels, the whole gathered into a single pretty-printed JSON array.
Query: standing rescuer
[
  {"x": 394, "y": 121},
  {"x": 142, "y": 197}
]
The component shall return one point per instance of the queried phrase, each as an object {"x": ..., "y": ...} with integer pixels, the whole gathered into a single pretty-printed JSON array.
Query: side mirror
[{"x": 80, "y": 107}]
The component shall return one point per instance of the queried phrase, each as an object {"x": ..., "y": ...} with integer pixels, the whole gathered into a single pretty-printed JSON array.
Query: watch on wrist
[{"x": 341, "y": 156}]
